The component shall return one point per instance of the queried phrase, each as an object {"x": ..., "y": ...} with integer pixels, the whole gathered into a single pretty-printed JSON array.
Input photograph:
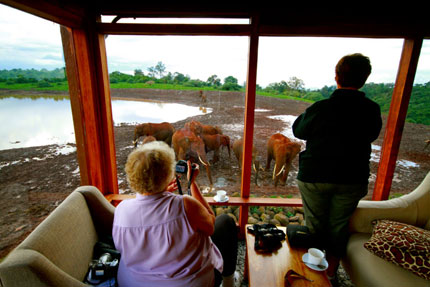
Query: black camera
[
  {"x": 181, "y": 166},
  {"x": 102, "y": 269}
]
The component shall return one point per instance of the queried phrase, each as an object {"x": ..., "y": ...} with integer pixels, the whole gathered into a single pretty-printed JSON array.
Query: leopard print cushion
[{"x": 402, "y": 244}]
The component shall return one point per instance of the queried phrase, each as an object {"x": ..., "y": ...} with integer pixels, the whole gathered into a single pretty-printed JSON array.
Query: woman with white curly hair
[{"x": 167, "y": 239}]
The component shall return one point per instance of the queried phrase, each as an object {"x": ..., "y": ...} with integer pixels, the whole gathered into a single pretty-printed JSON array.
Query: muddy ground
[{"x": 33, "y": 181}]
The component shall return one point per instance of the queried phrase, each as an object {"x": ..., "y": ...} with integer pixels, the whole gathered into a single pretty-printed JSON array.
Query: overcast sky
[{"x": 27, "y": 41}]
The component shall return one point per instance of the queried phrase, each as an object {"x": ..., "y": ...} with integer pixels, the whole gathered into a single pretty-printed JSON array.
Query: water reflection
[
  {"x": 140, "y": 112},
  {"x": 36, "y": 121}
]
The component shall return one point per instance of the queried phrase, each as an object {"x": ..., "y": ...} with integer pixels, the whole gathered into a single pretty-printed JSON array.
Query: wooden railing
[
  {"x": 244, "y": 203},
  {"x": 115, "y": 199}
]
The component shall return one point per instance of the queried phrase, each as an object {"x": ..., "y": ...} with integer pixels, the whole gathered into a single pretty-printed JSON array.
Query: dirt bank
[{"x": 33, "y": 181}]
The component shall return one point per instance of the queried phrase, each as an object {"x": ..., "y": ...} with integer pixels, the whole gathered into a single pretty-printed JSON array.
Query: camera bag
[
  {"x": 300, "y": 236},
  {"x": 268, "y": 237},
  {"x": 102, "y": 249}
]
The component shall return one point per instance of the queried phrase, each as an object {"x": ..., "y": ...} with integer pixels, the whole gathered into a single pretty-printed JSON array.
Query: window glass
[
  {"x": 38, "y": 163},
  {"x": 295, "y": 72},
  {"x": 194, "y": 82}
]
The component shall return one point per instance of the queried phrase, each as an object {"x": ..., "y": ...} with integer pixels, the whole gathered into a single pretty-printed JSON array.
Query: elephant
[
  {"x": 148, "y": 139},
  {"x": 189, "y": 146},
  {"x": 162, "y": 132},
  {"x": 283, "y": 151},
  {"x": 214, "y": 142},
  {"x": 199, "y": 128},
  {"x": 238, "y": 152},
  {"x": 202, "y": 96}
]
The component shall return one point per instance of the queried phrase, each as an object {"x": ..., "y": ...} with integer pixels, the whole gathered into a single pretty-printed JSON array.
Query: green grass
[
  {"x": 280, "y": 96},
  {"x": 158, "y": 86},
  {"x": 63, "y": 86},
  {"x": 60, "y": 86}
]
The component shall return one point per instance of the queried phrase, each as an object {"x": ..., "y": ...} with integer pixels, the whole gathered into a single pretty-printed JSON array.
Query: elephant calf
[
  {"x": 148, "y": 139},
  {"x": 214, "y": 142},
  {"x": 162, "y": 132},
  {"x": 283, "y": 151},
  {"x": 238, "y": 152},
  {"x": 200, "y": 129}
]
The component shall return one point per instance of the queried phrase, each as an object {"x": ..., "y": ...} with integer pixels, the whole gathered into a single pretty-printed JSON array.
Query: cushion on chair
[
  {"x": 405, "y": 245},
  {"x": 66, "y": 237}
]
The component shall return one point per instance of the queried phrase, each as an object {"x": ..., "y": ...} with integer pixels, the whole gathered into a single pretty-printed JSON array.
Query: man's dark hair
[{"x": 353, "y": 70}]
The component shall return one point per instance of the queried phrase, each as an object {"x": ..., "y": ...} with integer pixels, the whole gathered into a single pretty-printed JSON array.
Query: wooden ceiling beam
[
  {"x": 174, "y": 29},
  {"x": 360, "y": 31},
  {"x": 63, "y": 14},
  {"x": 345, "y": 30}
]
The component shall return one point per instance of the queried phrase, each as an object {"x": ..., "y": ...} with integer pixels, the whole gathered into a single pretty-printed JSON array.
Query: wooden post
[
  {"x": 396, "y": 117},
  {"x": 251, "y": 84},
  {"x": 86, "y": 66}
]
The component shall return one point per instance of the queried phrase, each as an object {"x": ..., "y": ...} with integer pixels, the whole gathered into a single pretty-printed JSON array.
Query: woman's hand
[
  {"x": 195, "y": 171},
  {"x": 172, "y": 186}
]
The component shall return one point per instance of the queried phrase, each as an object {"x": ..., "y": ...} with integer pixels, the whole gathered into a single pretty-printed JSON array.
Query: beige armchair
[
  {"x": 367, "y": 269},
  {"x": 59, "y": 250}
]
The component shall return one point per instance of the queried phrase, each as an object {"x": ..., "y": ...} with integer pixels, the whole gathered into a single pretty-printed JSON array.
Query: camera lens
[{"x": 106, "y": 257}]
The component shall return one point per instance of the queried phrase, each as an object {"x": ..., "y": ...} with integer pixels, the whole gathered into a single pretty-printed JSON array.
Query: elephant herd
[{"x": 195, "y": 140}]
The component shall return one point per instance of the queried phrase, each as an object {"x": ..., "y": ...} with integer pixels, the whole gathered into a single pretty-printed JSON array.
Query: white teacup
[
  {"x": 221, "y": 195},
  {"x": 315, "y": 256}
]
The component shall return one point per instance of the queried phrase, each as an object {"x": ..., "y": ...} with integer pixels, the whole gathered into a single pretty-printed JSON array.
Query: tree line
[
  {"x": 158, "y": 74},
  {"x": 418, "y": 111}
]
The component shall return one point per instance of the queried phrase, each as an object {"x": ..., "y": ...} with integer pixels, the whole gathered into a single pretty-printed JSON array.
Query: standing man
[{"x": 334, "y": 168}]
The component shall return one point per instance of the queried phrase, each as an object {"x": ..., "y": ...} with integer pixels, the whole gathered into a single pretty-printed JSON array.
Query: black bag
[
  {"x": 104, "y": 267},
  {"x": 300, "y": 236},
  {"x": 268, "y": 237}
]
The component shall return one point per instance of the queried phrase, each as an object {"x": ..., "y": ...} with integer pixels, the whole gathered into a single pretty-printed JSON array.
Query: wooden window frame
[{"x": 86, "y": 65}]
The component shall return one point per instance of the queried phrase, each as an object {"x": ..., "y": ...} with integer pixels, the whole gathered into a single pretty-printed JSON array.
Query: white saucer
[
  {"x": 324, "y": 263},
  {"x": 216, "y": 198}
]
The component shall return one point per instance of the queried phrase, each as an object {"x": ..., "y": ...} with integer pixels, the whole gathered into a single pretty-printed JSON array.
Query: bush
[
  {"x": 230, "y": 87},
  {"x": 43, "y": 84}
]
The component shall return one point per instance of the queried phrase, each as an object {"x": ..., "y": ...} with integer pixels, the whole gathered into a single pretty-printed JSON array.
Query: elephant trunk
[{"x": 208, "y": 170}]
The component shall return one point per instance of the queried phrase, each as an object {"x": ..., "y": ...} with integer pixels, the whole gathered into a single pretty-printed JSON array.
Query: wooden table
[{"x": 269, "y": 269}]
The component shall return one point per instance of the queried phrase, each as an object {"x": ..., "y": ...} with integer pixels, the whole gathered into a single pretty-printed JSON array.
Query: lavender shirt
[{"x": 158, "y": 245}]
